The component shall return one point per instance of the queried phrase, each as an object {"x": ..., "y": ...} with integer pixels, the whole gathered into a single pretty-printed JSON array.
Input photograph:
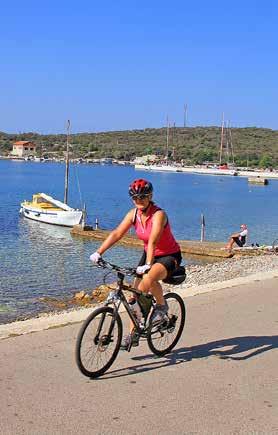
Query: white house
[{"x": 23, "y": 148}]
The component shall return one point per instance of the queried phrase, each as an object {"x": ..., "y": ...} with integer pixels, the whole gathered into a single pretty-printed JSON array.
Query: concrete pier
[
  {"x": 189, "y": 247},
  {"x": 258, "y": 180}
]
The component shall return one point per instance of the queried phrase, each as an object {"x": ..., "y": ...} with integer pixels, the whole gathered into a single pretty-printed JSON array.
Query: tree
[
  {"x": 204, "y": 155},
  {"x": 266, "y": 161},
  {"x": 148, "y": 150}
]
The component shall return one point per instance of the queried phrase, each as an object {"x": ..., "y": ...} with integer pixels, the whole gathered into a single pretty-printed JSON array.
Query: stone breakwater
[{"x": 235, "y": 267}]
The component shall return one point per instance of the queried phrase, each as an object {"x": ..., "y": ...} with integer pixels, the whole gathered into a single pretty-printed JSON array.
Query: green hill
[{"x": 255, "y": 146}]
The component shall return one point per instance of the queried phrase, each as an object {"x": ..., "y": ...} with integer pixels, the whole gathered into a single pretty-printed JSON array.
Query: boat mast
[
  {"x": 231, "y": 144},
  {"x": 167, "y": 141},
  {"x": 185, "y": 115},
  {"x": 222, "y": 139},
  {"x": 67, "y": 166},
  {"x": 227, "y": 141}
]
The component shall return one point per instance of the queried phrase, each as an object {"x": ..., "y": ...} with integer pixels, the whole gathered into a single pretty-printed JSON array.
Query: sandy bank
[{"x": 229, "y": 273}]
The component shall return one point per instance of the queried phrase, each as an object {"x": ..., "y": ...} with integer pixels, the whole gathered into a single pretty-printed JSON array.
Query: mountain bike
[{"x": 100, "y": 336}]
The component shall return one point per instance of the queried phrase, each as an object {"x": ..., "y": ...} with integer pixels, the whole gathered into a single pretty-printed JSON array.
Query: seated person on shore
[{"x": 238, "y": 238}]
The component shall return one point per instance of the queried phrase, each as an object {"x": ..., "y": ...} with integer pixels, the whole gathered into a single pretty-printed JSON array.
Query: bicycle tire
[
  {"x": 99, "y": 342},
  {"x": 158, "y": 337},
  {"x": 275, "y": 246}
]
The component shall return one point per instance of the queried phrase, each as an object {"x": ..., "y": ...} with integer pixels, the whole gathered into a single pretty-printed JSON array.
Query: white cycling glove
[
  {"x": 95, "y": 257},
  {"x": 143, "y": 269}
]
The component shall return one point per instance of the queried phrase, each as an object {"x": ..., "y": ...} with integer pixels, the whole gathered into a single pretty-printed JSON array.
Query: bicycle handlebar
[{"x": 107, "y": 265}]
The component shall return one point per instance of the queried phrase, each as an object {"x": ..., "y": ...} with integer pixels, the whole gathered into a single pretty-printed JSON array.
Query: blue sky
[{"x": 116, "y": 65}]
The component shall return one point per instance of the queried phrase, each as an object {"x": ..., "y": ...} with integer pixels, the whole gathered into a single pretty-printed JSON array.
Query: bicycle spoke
[
  {"x": 98, "y": 345},
  {"x": 164, "y": 337}
]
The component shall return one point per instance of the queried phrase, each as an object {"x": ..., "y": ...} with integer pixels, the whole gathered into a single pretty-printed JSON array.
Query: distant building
[
  {"x": 144, "y": 160},
  {"x": 23, "y": 148}
]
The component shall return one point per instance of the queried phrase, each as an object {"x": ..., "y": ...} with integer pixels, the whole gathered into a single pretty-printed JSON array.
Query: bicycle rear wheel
[
  {"x": 98, "y": 342},
  {"x": 164, "y": 337},
  {"x": 275, "y": 246}
]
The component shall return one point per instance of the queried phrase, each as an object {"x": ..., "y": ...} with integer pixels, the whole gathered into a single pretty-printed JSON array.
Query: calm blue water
[{"x": 43, "y": 260}]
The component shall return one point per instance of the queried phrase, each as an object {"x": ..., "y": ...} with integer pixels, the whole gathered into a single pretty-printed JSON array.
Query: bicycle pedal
[
  {"x": 164, "y": 325},
  {"x": 160, "y": 323}
]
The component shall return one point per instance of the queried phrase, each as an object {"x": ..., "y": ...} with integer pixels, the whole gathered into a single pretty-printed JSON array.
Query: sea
[{"x": 39, "y": 260}]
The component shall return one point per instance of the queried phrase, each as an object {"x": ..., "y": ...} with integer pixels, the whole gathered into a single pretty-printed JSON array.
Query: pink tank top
[{"x": 166, "y": 245}]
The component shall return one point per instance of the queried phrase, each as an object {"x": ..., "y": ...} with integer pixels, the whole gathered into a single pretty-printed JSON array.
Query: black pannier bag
[{"x": 177, "y": 277}]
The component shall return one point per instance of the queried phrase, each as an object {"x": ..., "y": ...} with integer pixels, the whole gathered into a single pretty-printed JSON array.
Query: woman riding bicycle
[{"x": 161, "y": 251}]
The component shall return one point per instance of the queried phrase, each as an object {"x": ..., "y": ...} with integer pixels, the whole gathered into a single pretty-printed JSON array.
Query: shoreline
[
  {"x": 234, "y": 271},
  {"x": 201, "y": 170}
]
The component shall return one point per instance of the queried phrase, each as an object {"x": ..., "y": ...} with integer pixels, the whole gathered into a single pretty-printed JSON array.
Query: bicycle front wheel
[
  {"x": 98, "y": 342},
  {"x": 163, "y": 338}
]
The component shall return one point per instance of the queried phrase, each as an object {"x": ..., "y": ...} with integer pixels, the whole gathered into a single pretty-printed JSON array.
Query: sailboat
[
  {"x": 44, "y": 208},
  {"x": 226, "y": 136},
  {"x": 164, "y": 166}
]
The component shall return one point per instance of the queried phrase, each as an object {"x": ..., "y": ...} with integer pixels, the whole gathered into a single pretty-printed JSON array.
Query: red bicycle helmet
[{"x": 140, "y": 187}]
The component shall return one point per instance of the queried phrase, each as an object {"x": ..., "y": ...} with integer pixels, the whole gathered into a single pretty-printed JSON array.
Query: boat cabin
[{"x": 40, "y": 202}]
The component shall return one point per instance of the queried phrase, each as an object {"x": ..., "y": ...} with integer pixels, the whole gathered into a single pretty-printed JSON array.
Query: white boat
[
  {"x": 44, "y": 208},
  {"x": 212, "y": 171},
  {"x": 141, "y": 167},
  {"x": 165, "y": 168}
]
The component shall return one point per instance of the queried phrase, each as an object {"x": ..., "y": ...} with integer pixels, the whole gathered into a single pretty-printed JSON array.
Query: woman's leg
[
  {"x": 157, "y": 292},
  {"x": 150, "y": 282},
  {"x": 230, "y": 243},
  {"x": 136, "y": 283}
]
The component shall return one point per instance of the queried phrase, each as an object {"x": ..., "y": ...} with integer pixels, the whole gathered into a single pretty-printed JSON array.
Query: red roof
[{"x": 23, "y": 142}]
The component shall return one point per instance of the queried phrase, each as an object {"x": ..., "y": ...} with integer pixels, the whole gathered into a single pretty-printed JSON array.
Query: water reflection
[{"x": 45, "y": 232}]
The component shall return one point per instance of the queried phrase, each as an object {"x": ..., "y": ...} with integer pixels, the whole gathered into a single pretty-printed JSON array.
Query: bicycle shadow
[{"x": 226, "y": 349}]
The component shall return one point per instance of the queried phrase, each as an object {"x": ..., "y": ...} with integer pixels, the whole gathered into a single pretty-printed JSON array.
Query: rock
[
  {"x": 79, "y": 295},
  {"x": 100, "y": 293},
  {"x": 53, "y": 302}
]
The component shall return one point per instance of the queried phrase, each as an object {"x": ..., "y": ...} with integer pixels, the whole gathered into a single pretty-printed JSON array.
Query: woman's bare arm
[{"x": 235, "y": 235}]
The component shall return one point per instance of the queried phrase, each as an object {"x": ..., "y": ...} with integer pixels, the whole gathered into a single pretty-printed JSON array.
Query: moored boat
[{"x": 44, "y": 208}]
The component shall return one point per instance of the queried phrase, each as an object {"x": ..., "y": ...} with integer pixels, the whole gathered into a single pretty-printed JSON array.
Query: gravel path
[{"x": 231, "y": 268}]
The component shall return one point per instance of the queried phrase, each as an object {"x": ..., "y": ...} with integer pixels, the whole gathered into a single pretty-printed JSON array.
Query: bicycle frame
[{"x": 119, "y": 296}]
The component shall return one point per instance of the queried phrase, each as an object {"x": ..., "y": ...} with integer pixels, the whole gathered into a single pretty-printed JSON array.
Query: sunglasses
[{"x": 139, "y": 196}]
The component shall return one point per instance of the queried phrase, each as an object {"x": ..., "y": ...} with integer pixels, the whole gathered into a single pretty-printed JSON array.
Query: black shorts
[
  {"x": 238, "y": 242},
  {"x": 170, "y": 261}
]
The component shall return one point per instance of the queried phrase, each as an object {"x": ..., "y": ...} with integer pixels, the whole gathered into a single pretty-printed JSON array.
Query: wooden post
[
  {"x": 203, "y": 225},
  {"x": 84, "y": 214}
]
